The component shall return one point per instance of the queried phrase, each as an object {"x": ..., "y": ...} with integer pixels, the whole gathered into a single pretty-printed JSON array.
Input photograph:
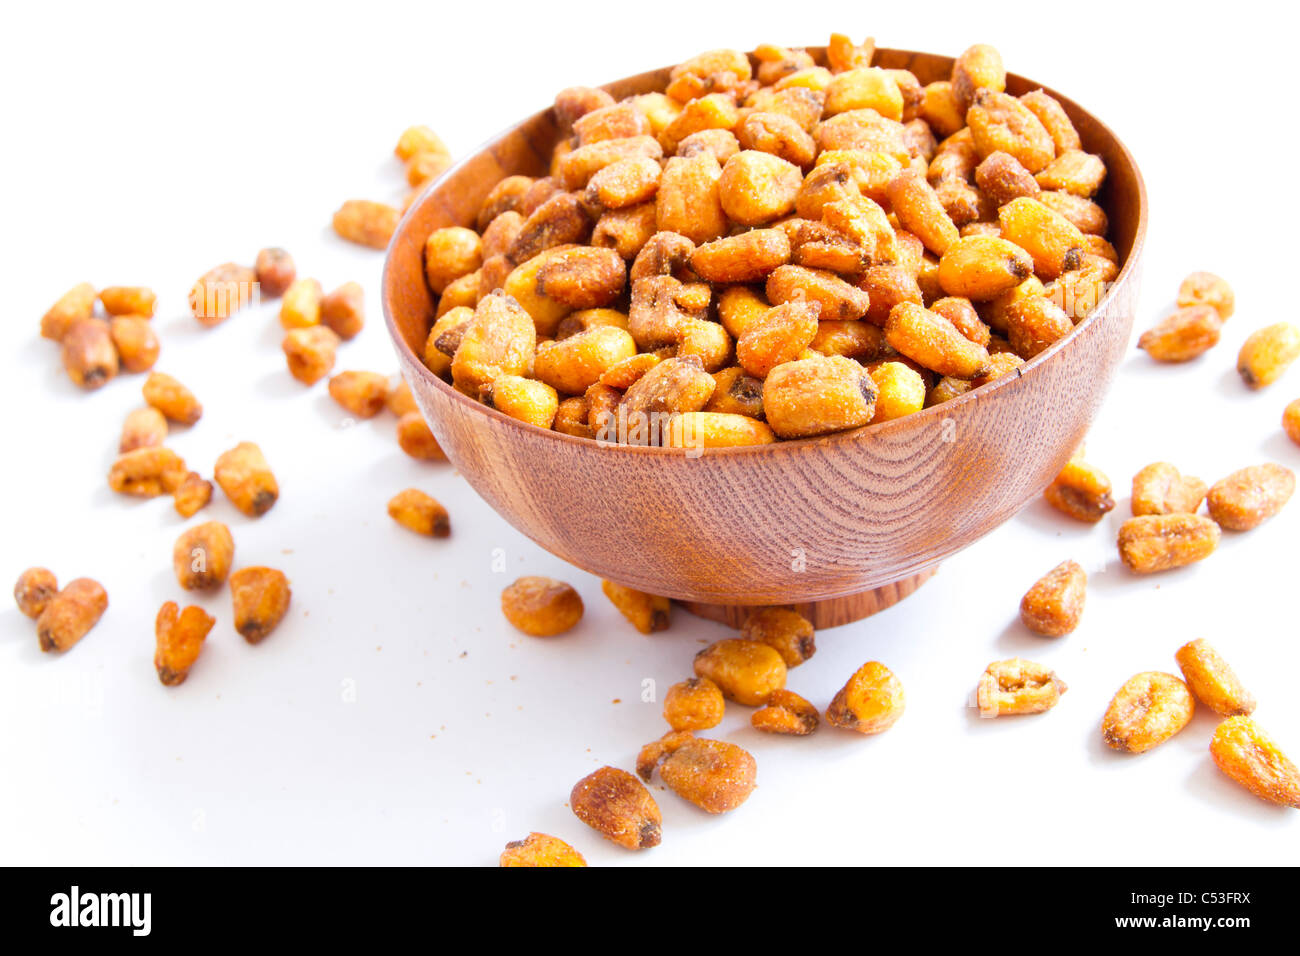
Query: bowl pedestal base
[{"x": 823, "y": 614}]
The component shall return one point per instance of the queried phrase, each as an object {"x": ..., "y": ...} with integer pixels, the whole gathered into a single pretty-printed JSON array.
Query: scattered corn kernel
[
  {"x": 617, "y": 805},
  {"x": 1149, "y": 709},
  {"x": 202, "y": 555},
  {"x": 260, "y": 599},
  {"x": 1249, "y": 497},
  {"x": 786, "y": 713},
  {"x": 174, "y": 400},
  {"x": 1018, "y": 686},
  {"x": 871, "y": 701},
  {"x": 36, "y": 587},
  {"x": 1053, "y": 606},
  {"x": 70, "y": 614},
  {"x": 1250, "y": 757},
  {"x": 179, "y": 636},
  {"x": 540, "y": 849},
  {"x": 246, "y": 479},
  {"x": 541, "y": 607}
]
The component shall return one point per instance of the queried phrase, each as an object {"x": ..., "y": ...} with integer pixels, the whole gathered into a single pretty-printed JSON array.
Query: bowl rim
[{"x": 881, "y": 430}]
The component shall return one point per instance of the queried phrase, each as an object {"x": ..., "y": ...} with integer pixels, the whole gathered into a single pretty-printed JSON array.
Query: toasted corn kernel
[
  {"x": 1081, "y": 491},
  {"x": 746, "y": 671},
  {"x": 420, "y": 512},
  {"x": 978, "y": 68},
  {"x": 1086, "y": 215},
  {"x": 715, "y": 775},
  {"x": 786, "y": 713},
  {"x": 1160, "y": 489},
  {"x": 147, "y": 472},
  {"x": 174, "y": 400},
  {"x": 525, "y": 399},
  {"x": 1149, "y": 709},
  {"x": 1053, "y": 606},
  {"x": 1160, "y": 542},
  {"x": 578, "y": 101},
  {"x": 220, "y": 292},
  {"x": 571, "y": 418},
  {"x": 1212, "y": 680},
  {"x": 1054, "y": 242},
  {"x": 574, "y": 364},
  {"x": 693, "y": 704},
  {"x": 366, "y": 222},
  {"x": 1205, "y": 288},
  {"x": 1291, "y": 421},
  {"x": 623, "y": 375},
  {"x": 69, "y": 615},
  {"x": 500, "y": 340},
  {"x": 1250, "y": 757},
  {"x": 464, "y": 291},
  {"x": 300, "y": 307},
  {"x": 1001, "y": 123},
  {"x": 246, "y": 479},
  {"x": 444, "y": 338},
  {"x": 1074, "y": 172},
  {"x": 415, "y": 438},
  {"x": 541, "y": 607},
  {"x": 137, "y": 345},
  {"x": 747, "y": 257},
  {"x": 179, "y": 636},
  {"x": 260, "y": 599},
  {"x": 401, "y": 399},
  {"x": 1247, "y": 498},
  {"x": 856, "y": 340},
  {"x": 343, "y": 311},
  {"x": 275, "y": 271},
  {"x": 934, "y": 342},
  {"x": 202, "y": 555},
  {"x": 756, "y": 187},
  {"x": 712, "y": 70},
  {"x": 788, "y": 632},
  {"x": 699, "y": 430},
  {"x": 1035, "y": 323},
  {"x": 361, "y": 393},
  {"x": 89, "y": 356},
  {"x": 1018, "y": 686},
  {"x": 837, "y": 299},
  {"x": 76, "y": 304},
  {"x": 887, "y": 286},
  {"x": 865, "y": 87},
  {"x": 674, "y": 385},
  {"x": 646, "y": 612},
  {"x": 192, "y": 495},
  {"x": 900, "y": 390},
  {"x": 983, "y": 267},
  {"x": 818, "y": 395},
  {"x": 780, "y": 336},
  {"x": 618, "y": 806},
  {"x": 309, "y": 353},
  {"x": 941, "y": 109},
  {"x": 144, "y": 428},
  {"x": 1054, "y": 119},
  {"x": 919, "y": 211},
  {"x": 1188, "y": 333},
  {"x": 1267, "y": 353},
  {"x": 871, "y": 701},
  {"x": 540, "y": 849},
  {"x": 1001, "y": 177},
  {"x": 128, "y": 300},
  {"x": 35, "y": 589}
]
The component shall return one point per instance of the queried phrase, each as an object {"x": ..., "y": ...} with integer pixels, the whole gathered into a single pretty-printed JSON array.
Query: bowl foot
[{"x": 823, "y": 614}]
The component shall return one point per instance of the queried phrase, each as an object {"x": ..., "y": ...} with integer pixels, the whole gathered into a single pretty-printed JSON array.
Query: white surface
[{"x": 145, "y": 144}]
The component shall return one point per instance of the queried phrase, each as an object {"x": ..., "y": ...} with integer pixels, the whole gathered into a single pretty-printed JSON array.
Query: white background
[{"x": 147, "y": 143}]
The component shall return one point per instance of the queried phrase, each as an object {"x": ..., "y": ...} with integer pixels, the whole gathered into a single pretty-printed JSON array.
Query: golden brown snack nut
[
  {"x": 310, "y": 353},
  {"x": 364, "y": 394},
  {"x": 366, "y": 222},
  {"x": 1249, "y": 497},
  {"x": 715, "y": 775},
  {"x": 34, "y": 590},
  {"x": 694, "y": 704},
  {"x": 1188, "y": 333},
  {"x": 420, "y": 512},
  {"x": 343, "y": 311},
  {"x": 541, "y": 607},
  {"x": 179, "y": 637},
  {"x": 617, "y": 805},
  {"x": 275, "y": 271},
  {"x": 1268, "y": 353},
  {"x": 1248, "y": 756},
  {"x": 202, "y": 556},
  {"x": 1291, "y": 421},
  {"x": 540, "y": 849},
  {"x": 871, "y": 701},
  {"x": 1161, "y": 489},
  {"x": 69, "y": 615},
  {"x": 300, "y": 307},
  {"x": 76, "y": 304},
  {"x": 1212, "y": 680},
  {"x": 222, "y": 291},
  {"x": 1018, "y": 686},
  {"x": 136, "y": 343},
  {"x": 259, "y": 598},
  {"x": 1053, "y": 606},
  {"x": 787, "y": 631},
  {"x": 174, "y": 400},
  {"x": 1154, "y": 543},
  {"x": 147, "y": 472},
  {"x": 89, "y": 356},
  {"x": 246, "y": 479},
  {"x": 415, "y": 438},
  {"x": 648, "y": 613},
  {"x": 1081, "y": 491},
  {"x": 786, "y": 713},
  {"x": 745, "y": 671},
  {"x": 1205, "y": 288},
  {"x": 192, "y": 495},
  {"x": 1149, "y": 709}
]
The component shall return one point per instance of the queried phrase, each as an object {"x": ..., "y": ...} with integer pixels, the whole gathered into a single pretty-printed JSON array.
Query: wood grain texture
[{"x": 790, "y": 523}]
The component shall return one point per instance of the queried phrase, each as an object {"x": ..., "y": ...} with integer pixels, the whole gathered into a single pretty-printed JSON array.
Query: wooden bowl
[{"x": 838, "y": 526}]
